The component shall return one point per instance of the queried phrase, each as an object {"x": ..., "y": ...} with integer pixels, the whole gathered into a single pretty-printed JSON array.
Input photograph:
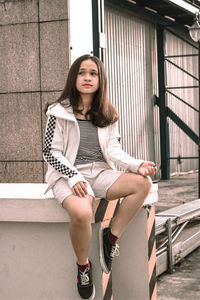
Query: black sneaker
[
  {"x": 85, "y": 286},
  {"x": 107, "y": 250}
]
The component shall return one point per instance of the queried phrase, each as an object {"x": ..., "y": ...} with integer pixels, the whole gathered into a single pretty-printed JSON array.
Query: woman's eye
[{"x": 82, "y": 73}]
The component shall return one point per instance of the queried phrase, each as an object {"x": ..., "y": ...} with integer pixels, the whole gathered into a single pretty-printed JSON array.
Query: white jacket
[{"x": 62, "y": 141}]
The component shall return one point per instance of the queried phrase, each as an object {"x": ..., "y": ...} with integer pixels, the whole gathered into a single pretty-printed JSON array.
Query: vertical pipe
[
  {"x": 199, "y": 123},
  {"x": 95, "y": 25},
  {"x": 101, "y": 27},
  {"x": 164, "y": 130},
  {"x": 98, "y": 27}
]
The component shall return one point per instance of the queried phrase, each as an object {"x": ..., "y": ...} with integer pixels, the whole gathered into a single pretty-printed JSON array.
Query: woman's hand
[
  {"x": 147, "y": 168},
  {"x": 80, "y": 189}
]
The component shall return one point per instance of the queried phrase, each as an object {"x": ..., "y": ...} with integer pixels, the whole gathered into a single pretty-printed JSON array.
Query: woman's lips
[{"x": 87, "y": 85}]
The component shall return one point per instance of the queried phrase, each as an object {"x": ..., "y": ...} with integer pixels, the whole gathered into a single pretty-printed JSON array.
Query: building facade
[{"x": 153, "y": 79}]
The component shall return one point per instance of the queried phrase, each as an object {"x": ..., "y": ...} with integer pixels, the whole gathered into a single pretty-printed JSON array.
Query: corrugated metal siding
[
  {"x": 180, "y": 144},
  {"x": 129, "y": 54}
]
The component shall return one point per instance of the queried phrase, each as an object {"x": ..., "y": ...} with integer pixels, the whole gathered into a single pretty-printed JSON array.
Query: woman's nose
[{"x": 87, "y": 76}]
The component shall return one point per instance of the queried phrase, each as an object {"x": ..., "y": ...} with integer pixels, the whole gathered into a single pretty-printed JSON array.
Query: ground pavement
[{"x": 184, "y": 283}]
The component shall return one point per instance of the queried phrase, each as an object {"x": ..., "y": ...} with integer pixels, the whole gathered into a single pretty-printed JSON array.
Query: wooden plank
[
  {"x": 178, "y": 215},
  {"x": 187, "y": 242},
  {"x": 181, "y": 210},
  {"x": 160, "y": 223}
]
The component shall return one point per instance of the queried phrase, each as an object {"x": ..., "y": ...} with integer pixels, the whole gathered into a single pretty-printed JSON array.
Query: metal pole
[
  {"x": 164, "y": 129},
  {"x": 199, "y": 124},
  {"x": 95, "y": 21},
  {"x": 169, "y": 252}
]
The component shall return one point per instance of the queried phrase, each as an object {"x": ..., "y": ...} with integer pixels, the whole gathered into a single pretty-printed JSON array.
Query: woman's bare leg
[
  {"x": 134, "y": 189},
  {"x": 80, "y": 212}
]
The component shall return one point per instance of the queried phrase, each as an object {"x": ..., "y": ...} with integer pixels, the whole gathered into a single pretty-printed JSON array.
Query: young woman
[{"x": 82, "y": 149}]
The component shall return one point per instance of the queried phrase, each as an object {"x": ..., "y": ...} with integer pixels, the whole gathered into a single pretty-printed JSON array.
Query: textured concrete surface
[
  {"x": 53, "y": 10},
  {"x": 49, "y": 98},
  {"x": 21, "y": 125},
  {"x": 184, "y": 283},
  {"x": 37, "y": 262},
  {"x": 54, "y": 55},
  {"x": 34, "y": 58},
  {"x": 20, "y": 140},
  {"x": 19, "y": 58},
  {"x": 176, "y": 191},
  {"x": 17, "y": 172},
  {"x": 12, "y": 12}
]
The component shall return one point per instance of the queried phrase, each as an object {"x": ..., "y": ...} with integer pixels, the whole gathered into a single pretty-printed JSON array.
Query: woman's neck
[{"x": 85, "y": 103}]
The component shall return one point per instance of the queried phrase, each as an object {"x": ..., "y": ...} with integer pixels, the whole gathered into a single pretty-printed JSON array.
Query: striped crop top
[{"x": 89, "y": 149}]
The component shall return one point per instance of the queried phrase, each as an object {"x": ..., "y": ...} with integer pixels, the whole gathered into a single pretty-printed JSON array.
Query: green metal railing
[{"x": 164, "y": 110}]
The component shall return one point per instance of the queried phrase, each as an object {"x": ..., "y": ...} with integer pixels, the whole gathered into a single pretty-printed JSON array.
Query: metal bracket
[{"x": 169, "y": 248}]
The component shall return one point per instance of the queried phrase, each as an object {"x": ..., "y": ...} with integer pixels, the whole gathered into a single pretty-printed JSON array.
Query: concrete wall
[
  {"x": 37, "y": 260},
  {"x": 39, "y": 263},
  {"x": 34, "y": 60}
]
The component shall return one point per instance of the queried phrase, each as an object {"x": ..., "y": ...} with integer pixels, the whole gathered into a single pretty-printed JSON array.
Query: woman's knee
[
  {"x": 81, "y": 217},
  {"x": 147, "y": 184},
  {"x": 79, "y": 209},
  {"x": 81, "y": 214},
  {"x": 144, "y": 184}
]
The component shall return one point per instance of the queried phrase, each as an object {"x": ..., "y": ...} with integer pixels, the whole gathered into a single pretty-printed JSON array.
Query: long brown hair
[{"x": 102, "y": 112}]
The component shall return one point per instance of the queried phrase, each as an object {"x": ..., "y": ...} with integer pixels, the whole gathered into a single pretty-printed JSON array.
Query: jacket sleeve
[
  {"x": 119, "y": 156},
  {"x": 53, "y": 151}
]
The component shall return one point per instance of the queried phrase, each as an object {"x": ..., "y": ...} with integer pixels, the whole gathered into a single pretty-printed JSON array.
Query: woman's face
[{"x": 87, "y": 81}]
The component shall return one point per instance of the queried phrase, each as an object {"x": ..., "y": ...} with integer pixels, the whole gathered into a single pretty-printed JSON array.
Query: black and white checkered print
[{"x": 54, "y": 162}]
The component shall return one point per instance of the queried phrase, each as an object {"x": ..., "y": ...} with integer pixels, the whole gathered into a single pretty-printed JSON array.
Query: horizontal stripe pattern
[{"x": 89, "y": 148}]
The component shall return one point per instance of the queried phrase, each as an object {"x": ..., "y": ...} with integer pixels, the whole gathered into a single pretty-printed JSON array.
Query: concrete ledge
[{"x": 26, "y": 202}]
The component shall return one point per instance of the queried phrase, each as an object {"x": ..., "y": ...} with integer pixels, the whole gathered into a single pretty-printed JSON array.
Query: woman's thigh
[
  {"x": 61, "y": 190},
  {"x": 79, "y": 207},
  {"x": 129, "y": 183}
]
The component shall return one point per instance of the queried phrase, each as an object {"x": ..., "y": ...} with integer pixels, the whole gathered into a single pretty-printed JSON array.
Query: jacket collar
[{"x": 60, "y": 111}]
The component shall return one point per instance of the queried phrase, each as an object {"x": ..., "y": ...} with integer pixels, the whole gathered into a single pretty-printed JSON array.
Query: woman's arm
[
  {"x": 53, "y": 151},
  {"x": 124, "y": 160}
]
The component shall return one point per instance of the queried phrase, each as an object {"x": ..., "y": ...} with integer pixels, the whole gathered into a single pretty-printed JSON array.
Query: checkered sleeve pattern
[{"x": 53, "y": 161}]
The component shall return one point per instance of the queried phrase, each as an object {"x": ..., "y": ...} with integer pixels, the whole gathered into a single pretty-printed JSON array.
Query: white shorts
[{"x": 99, "y": 177}]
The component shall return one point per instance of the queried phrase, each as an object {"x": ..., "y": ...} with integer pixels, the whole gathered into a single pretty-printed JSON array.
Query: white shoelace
[
  {"x": 115, "y": 250},
  {"x": 84, "y": 277}
]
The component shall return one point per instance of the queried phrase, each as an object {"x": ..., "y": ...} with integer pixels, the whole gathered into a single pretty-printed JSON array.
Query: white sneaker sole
[{"x": 102, "y": 260}]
